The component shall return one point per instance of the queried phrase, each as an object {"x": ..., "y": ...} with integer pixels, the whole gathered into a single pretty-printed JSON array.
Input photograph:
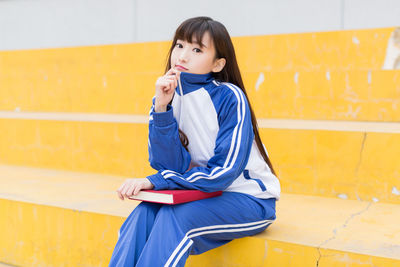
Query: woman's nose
[{"x": 184, "y": 55}]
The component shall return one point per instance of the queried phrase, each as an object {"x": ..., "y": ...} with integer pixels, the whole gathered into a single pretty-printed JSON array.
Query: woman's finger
[
  {"x": 169, "y": 75},
  {"x": 170, "y": 71},
  {"x": 137, "y": 189},
  {"x": 125, "y": 189},
  {"x": 176, "y": 72},
  {"x": 119, "y": 191},
  {"x": 171, "y": 84},
  {"x": 163, "y": 83},
  {"x": 130, "y": 190},
  {"x": 120, "y": 196},
  {"x": 170, "y": 79},
  {"x": 122, "y": 186},
  {"x": 168, "y": 87},
  {"x": 173, "y": 80}
]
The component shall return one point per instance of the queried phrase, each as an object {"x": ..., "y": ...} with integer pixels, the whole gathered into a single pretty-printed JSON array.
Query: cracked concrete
[
  {"x": 360, "y": 157},
  {"x": 336, "y": 230},
  {"x": 359, "y": 164}
]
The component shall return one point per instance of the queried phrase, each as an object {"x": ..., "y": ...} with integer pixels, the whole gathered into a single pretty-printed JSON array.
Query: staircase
[{"x": 73, "y": 127}]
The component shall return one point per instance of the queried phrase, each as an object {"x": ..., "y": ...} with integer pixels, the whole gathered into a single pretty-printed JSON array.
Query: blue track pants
[{"x": 164, "y": 235}]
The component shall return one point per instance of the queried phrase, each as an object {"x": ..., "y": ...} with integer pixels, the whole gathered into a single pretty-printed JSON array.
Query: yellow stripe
[
  {"x": 68, "y": 116},
  {"x": 347, "y": 126},
  {"x": 316, "y": 162},
  {"x": 352, "y": 126}
]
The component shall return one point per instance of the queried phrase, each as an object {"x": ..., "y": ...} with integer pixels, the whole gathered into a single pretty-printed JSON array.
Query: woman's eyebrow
[
  {"x": 194, "y": 41},
  {"x": 200, "y": 44}
]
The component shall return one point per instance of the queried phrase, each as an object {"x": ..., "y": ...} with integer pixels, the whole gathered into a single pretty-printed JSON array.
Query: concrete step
[
  {"x": 357, "y": 95},
  {"x": 102, "y": 147},
  {"x": 344, "y": 164},
  {"x": 367, "y": 49},
  {"x": 351, "y": 160},
  {"x": 327, "y": 75},
  {"x": 59, "y": 218}
]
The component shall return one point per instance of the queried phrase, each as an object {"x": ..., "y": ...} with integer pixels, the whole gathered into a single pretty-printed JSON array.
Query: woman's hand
[
  {"x": 165, "y": 89},
  {"x": 133, "y": 186}
]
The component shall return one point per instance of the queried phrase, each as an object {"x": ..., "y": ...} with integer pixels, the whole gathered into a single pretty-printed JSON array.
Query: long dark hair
[{"x": 196, "y": 28}]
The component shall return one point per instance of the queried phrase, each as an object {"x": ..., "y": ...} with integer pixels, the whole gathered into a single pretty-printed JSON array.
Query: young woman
[{"x": 202, "y": 135}]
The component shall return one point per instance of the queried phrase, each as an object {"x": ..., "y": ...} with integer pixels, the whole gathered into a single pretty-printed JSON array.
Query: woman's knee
[
  {"x": 144, "y": 212},
  {"x": 147, "y": 207}
]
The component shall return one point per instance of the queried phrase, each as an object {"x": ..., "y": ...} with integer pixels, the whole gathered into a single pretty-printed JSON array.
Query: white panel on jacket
[{"x": 201, "y": 130}]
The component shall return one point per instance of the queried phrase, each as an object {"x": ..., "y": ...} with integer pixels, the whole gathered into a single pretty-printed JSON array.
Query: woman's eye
[
  {"x": 197, "y": 50},
  {"x": 179, "y": 45}
]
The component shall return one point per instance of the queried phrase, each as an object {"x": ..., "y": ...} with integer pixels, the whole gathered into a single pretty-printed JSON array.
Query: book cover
[{"x": 173, "y": 196}]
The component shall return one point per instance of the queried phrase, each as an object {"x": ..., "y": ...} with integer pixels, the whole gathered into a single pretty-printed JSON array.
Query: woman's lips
[{"x": 180, "y": 68}]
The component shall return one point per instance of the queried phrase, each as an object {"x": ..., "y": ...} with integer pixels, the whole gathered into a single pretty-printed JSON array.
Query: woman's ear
[{"x": 219, "y": 65}]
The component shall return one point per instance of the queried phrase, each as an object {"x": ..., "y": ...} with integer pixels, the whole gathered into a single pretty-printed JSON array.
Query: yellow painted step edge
[
  {"x": 330, "y": 125},
  {"x": 356, "y": 227}
]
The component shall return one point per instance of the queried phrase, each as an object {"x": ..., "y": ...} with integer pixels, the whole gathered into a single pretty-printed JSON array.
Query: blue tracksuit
[{"x": 222, "y": 156}]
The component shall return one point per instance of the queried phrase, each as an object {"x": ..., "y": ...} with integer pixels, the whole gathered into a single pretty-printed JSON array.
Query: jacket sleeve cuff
[
  {"x": 158, "y": 181},
  {"x": 162, "y": 119}
]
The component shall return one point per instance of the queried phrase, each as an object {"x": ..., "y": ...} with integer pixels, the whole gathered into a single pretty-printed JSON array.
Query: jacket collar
[{"x": 191, "y": 82}]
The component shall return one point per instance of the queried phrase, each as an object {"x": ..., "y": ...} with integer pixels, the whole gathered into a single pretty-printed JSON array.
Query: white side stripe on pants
[
  {"x": 182, "y": 252},
  {"x": 213, "y": 229}
]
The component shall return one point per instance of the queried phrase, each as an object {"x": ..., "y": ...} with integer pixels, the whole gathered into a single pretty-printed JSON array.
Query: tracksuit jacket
[{"x": 217, "y": 121}]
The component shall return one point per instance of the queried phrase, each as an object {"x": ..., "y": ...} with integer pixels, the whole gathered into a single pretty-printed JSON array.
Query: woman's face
[{"x": 192, "y": 58}]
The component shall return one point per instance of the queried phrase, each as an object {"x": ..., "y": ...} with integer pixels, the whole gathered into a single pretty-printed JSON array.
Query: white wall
[
  {"x": 360, "y": 14},
  {"x": 251, "y": 17},
  {"x": 60, "y": 23},
  {"x": 27, "y": 24}
]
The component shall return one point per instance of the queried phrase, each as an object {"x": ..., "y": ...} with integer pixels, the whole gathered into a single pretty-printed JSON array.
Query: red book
[{"x": 173, "y": 196}]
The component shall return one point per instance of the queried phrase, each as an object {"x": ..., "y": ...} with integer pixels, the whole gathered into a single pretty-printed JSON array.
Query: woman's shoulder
[
  {"x": 227, "y": 94},
  {"x": 228, "y": 90}
]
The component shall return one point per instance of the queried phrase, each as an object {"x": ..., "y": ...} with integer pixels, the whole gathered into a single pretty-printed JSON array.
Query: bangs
[{"x": 192, "y": 31}]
